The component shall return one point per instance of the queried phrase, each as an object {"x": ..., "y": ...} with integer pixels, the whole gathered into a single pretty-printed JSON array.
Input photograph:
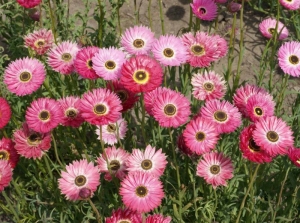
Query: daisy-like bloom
[
  {"x": 205, "y": 9},
  {"x": 149, "y": 161},
  {"x": 83, "y": 62},
  {"x": 222, "y": 47},
  {"x": 127, "y": 98},
  {"x": 258, "y": 106},
  {"x": 137, "y": 40},
  {"x": 208, "y": 86},
  {"x": 141, "y": 74},
  {"x": 5, "y": 174},
  {"x": 200, "y": 136},
  {"x": 215, "y": 168},
  {"x": 181, "y": 144},
  {"x": 158, "y": 218},
  {"x": 150, "y": 98},
  {"x": 61, "y": 58},
  {"x": 24, "y": 76},
  {"x": 115, "y": 159},
  {"x": 43, "y": 115},
  {"x": 111, "y": 132},
  {"x": 201, "y": 49},
  {"x": 79, "y": 176},
  {"x": 273, "y": 135},
  {"x": 226, "y": 116},
  {"x": 171, "y": 109},
  {"x": 294, "y": 156},
  {"x": 169, "y": 50},
  {"x": 8, "y": 152},
  {"x": 40, "y": 41},
  {"x": 141, "y": 191},
  {"x": 290, "y": 4},
  {"x": 5, "y": 112},
  {"x": 267, "y": 28},
  {"x": 72, "y": 114},
  {"x": 108, "y": 63},
  {"x": 250, "y": 150},
  {"x": 100, "y": 107},
  {"x": 124, "y": 216},
  {"x": 289, "y": 58},
  {"x": 29, "y": 3}
]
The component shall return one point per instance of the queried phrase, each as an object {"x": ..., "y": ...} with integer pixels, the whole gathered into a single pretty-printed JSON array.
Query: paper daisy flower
[
  {"x": 141, "y": 191},
  {"x": 40, "y": 41},
  {"x": 273, "y": 135},
  {"x": 61, "y": 58},
  {"x": 205, "y": 9},
  {"x": 83, "y": 62},
  {"x": 158, "y": 218},
  {"x": 24, "y": 76},
  {"x": 150, "y": 98},
  {"x": 31, "y": 144},
  {"x": 29, "y": 3},
  {"x": 150, "y": 161},
  {"x": 79, "y": 175},
  {"x": 169, "y": 50},
  {"x": 141, "y": 74},
  {"x": 5, "y": 173},
  {"x": 267, "y": 28},
  {"x": 8, "y": 152},
  {"x": 294, "y": 156},
  {"x": 290, "y": 4},
  {"x": 43, "y": 115},
  {"x": 100, "y": 107},
  {"x": 222, "y": 47},
  {"x": 124, "y": 216},
  {"x": 289, "y": 58},
  {"x": 215, "y": 168},
  {"x": 208, "y": 86},
  {"x": 115, "y": 160},
  {"x": 250, "y": 150},
  {"x": 137, "y": 40},
  {"x": 5, "y": 112}
]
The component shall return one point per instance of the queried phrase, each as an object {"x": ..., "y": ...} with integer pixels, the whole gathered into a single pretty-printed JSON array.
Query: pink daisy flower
[
  {"x": 40, "y": 41},
  {"x": 31, "y": 144},
  {"x": 215, "y": 169},
  {"x": 250, "y": 150},
  {"x": 43, "y": 115},
  {"x": 226, "y": 117},
  {"x": 141, "y": 191},
  {"x": 290, "y": 4},
  {"x": 100, "y": 107},
  {"x": 158, "y": 218},
  {"x": 83, "y": 62},
  {"x": 108, "y": 63},
  {"x": 79, "y": 175},
  {"x": 61, "y": 58},
  {"x": 5, "y": 174},
  {"x": 5, "y": 112},
  {"x": 222, "y": 47},
  {"x": 171, "y": 109},
  {"x": 267, "y": 28},
  {"x": 124, "y": 216},
  {"x": 141, "y": 74},
  {"x": 273, "y": 135},
  {"x": 208, "y": 86},
  {"x": 115, "y": 159},
  {"x": 137, "y": 40},
  {"x": 289, "y": 58},
  {"x": 150, "y": 98},
  {"x": 24, "y": 76},
  {"x": 150, "y": 161},
  {"x": 8, "y": 152},
  {"x": 169, "y": 50},
  {"x": 294, "y": 156},
  {"x": 182, "y": 146},
  {"x": 113, "y": 131},
  {"x": 200, "y": 136},
  {"x": 29, "y": 3},
  {"x": 205, "y": 9}
]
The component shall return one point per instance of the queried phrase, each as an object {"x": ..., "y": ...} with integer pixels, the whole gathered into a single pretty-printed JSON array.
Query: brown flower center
[
  {"x": 138, "y": 43},
  {"x": 123, "y": 95},
  {"x": 111, "y": 128},
  {"x": 141, "y": 191},
  {"x": 198, "y": 50},
  {"x": 146, "y": 164},
  {"x": 44, "y": 115},
  {"x": 252, "y": 146},
  {"x": 200, "y": 136},
  {"x": 39, "y": 43},
  {"x": 71, "y": 113},
  {"x": 168, "y": 52},
  {"x": 220, "y": 116},
  {"x": 4, "y": 155},
  {"x": 25, "y": 76},
  {"x": 66, "y": 57},
  {"x": 170, "y": 110},
  {"x": 215, "y": 169},
  {"x": 141, "y": 77},
  {"x": 202, "y": 11},
  {"x": 89, "y": 64},
  {"x": 124, "y": 221},
  {"x": 80, "y": 180},
  {"x": 272, "y": 136},
  {"x": 34, "y": 139},
  {"x": 258, "y": 111},
  {"x": 110, "y": 65},
  {"x": 209, "y": 86},
  {"x": 100, "y": 109},
  {"x": 271, "y": 30},
  {"x": 115, "y": 165},
  {"x": 294, "y": 59}
]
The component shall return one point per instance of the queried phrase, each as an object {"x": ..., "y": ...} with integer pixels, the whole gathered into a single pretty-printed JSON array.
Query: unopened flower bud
[
  {"x": 34, "y": 14},
  {"x": 234, "y": 7},
  {"x": 85, "y": 193}
]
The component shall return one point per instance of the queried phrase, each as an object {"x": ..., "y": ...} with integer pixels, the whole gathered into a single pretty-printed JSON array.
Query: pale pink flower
[
  {"x": 289, "y": 58},
  {"x": 40, "y": 41},
  {"x": 267, "y": 28}
]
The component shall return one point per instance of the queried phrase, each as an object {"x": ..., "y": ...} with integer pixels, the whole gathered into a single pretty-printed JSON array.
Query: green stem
[
  {"x": 48, "y": 167},
  {"x": 136, "y": 13},
  {"x": 100, "y": 24},
  {"x": 119, "y": 20},
  {"x": 149, "y": 14},
  {"x": 55, "y": 151},
  {"x": 98, "y": 217},
  {"x": 231, "y": 49},
  {"x": 161, "y": 17},
  {"x": 143, "y": 118},
  {"x": 191, "y": 18},
  {"x": 52, "y": 22},
  {"x": 10, "y": 205},
  {"x": 282, "y": 93},
  {"x": 41, "y": 20}
]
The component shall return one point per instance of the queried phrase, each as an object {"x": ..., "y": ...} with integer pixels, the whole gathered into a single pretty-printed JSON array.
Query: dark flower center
[
  {"x": 294, "y": 59},
  {"x": 271, "y": 30},
  {"x": 141, "y": 191},
  {"x": 252, "y": 146},
  {"x": 115, "y": 165},
  {"x": 111, "y": 128},
  {"x": 202, "y": 11},
  {"x": 40, "y": 43},
  {"x": 44, "y": 115},
  {"x": 123, "y": 95},
  {"x": 272, "y": 136},
  {"x": 124, "y": 221},
  {"x": 215, "y": 169},
  {"x": 168, "y": 52},
  {"x": 208, "y": 86},
  {"x": 110, "y": 65},
  {"x": 80, "y": 180},
  {"x": 90, "y": 64},
  {"x": 71, "y": 113},
  {"x": 220, "y": 116},
  {"x": 25, "y": 76},
  {"x": 146, "y": 164},
  {"x": 198, "y": 50},
  {"x": 138, "y": 43},
  {"x": 100, "y": 109},
  {"x": 258, "y": 111},
  {"x": 200, "y": 136},
  {"x": 4, "y": 155},
  {"x": 141, "y": 77},
  {"x": 34, "y": 139},
  {"x": 66, "y": 57},
  {"x": 170, "y": 110}
]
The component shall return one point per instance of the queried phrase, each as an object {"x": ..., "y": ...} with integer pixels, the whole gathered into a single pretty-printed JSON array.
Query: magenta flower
[
  {"x": 5, "y": 173},
  {"x": 8, "y": 152},
  {"x": 294, "y": 156},
  {"x": 150, "y": 98},
  {"x": 29, "y": 3},
  {"x": 205, "y": 9},
  {"x": 5, "y": 112},
  {"x": 125, "y": 216}
]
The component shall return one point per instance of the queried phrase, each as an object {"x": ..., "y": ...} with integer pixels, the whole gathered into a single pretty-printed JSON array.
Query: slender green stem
[
  {"x": 143, "y": 118},
  {"x": 216, "y": 199},
  {"x": 100, "y": 24},
  {"x": 52, "y": 22},
  {"x": 68, "y": 15},
  {"x": 119, "y": 19},
  {"x": 41, "y": 15},
  {"x": 55, "y": 151},
  {"x": 13, "y": 210},
  {"x": 161, "y": 17},
  {"x": 101, "y": 141},
  {"x": 191, "y": 18},
  {"x": 98, "y": 217},
  {"x": 48, "y": 167},
  {"x": 282, "y": 93},
  {"x": 136, "y": 13},
  {"x": 231, "y": 50},
  {"x": 149, "y": 14}
]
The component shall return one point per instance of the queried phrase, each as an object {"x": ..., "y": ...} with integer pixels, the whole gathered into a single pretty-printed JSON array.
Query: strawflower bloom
[
  {"x": 158, "y": 218},
  {"x": 115, "y": 158},
  {"x": 40, "y": 41},
  {"x": 141, "y": 191},
  {"x": 8, "y": 152},
  {"x": 43, "y": 115},
  {"x": 205, "y": 9},
  {"x": 294, "y": 156},
  {"x": 5, "y": 174},
  {"x": 289, "y": 58},
  {"x": 29, "y": 3},
  {"x": 222, "y": 47},
  {"x": 83, "y": 62},
  {"x": 150, "y": 98},
  {"x": 5, "y": 112},
  {"x": 100, "y": 107},
  {"x": 31, "y": 144},
  {"x": 24, "y": 76},
  {"x": 79, "y": 175},
  {"x": 137, "y": 40},
  {"x": 141, "y": 74},
  {"x": 148, "y": 161},
  {"x": 61, "y": 58},
  {"x": 290, "y": 4},
  {"x": 273, "y": 135},
  {"x": 215, "y": 168},
  {"x": 124, "y": 216},
  {"x": 267, "y": 28}
]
